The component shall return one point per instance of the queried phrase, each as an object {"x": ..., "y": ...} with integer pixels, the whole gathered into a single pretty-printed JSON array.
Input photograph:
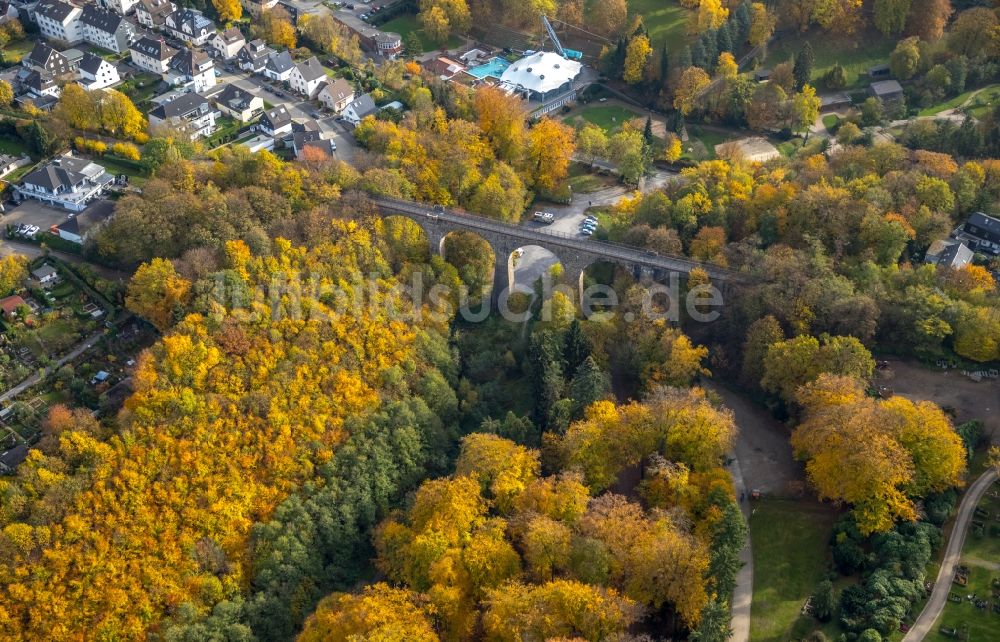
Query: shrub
[{"x": 126, "y": 150}]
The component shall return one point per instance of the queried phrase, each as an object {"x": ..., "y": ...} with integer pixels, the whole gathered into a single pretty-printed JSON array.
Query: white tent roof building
[{"x": 541, "y": 73}]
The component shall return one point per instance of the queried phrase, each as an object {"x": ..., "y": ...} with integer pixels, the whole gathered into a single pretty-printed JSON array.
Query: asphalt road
[{"x": 942, "y": 585}]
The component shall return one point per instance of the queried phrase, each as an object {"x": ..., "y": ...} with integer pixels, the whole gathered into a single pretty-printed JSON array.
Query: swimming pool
[{"x": 495, "y": 67}]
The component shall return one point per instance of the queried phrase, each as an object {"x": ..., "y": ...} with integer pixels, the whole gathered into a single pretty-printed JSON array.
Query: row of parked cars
[
  {"x": 27, "y": 231},
  {"x": 588, "y": 226}
]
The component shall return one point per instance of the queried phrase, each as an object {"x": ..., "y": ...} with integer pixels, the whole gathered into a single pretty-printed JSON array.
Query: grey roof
[
  {"x": 339, "y": 89},
  {"x": 193, "y": 18},
  {"x": 53, "y": 176},
  {"x": 87, "y": 219},
  {"x": 106, "y": 21},
  {"x": 154, "y": 48},
  {"x": 157, "y": 9},
  {"x": 277, "y": 117},
  {"x": 180, "y": 106},
  {"x": 55, "y": 10},
  {"x": 326, "y": 146},
  {"x": 279, "y": 62},
  {"x": 43, "y": 271},
  {"x": 11, "y": 458},
  {"x": 956, "y": 256},
  {"x": 363, "y": 105},
  {"x": 886, "y": 88},
  {"x": 91, "y": 63},
  {"x": 235, "y": 97},
  {"x": 38, "y": 81},
  {"x": 311, "y": 69},
  {"x": 984, "y": 222}
]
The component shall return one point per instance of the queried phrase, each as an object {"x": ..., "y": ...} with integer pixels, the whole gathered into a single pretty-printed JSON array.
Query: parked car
[
  {"x": 544, "y": 217},
  {"x": 315, "y": 115},
  {"x": 587, "y": 231},
  {"x": 588, "y": 225}
]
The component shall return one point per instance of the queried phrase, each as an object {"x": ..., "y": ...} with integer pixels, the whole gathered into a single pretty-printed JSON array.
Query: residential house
[
  {"x": 279, "y": 66},
  {"x": 11, "y": 459},
  {"x": 362, "y": 106},
  {"x": 276, "y": 121},
  {"x": 307, "y": 77},
  {"x": 337, "y": 95},
  {"x": 253, "y": 56},
  {"x": 385, "y": 44},
  {"x": 97, "y": 73},
  {"x": 9, "y": 163},
  {"x": 314, "y": 139},
  {"x": 39, "y": 84},
  {"x": 189, "y": 113},
  {"x": 81, "y": 226},
  {"x": 106, "y": 29},
  {"x": 58, "y": 20},
  {"x": 256, "y": 7},
  {"x": 388, "y": 44},
  {"x": 121, "y": 7},
  {"x": 152, "y": 54},
  {"x": 10, "y": 306},
  {"x": 192, "y": 69},
  {"x": 226, "y": 44},
  {"x": 189, "y": 25},
  {"x": 886, "y": 90},
  {"x": 8, "y": 12},
  {"x": 45, "y": 58},
  {"x": 73, "y": 57},
  {"x": 67, "y": 182},
  {"x": 153, "y": 13},
  {"x": 948, "y": 253},
  {"x": 981, "y": 232},
  {"x": 45, "y": 275},
  {"x": 444, "y": 67},
  {"x": 238, "y": 103}
]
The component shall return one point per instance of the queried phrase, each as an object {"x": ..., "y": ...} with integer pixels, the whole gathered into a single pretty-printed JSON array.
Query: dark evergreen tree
[
  {"x": 517, "y": 429},
  {"x": 686, "y": 59},
  {"x": 715, "y": 625},
  {"x": 802, "y": 70},
  {"x": 618, "y": 59},
  {"x": 590, "y": 384},
  {"x": 576, "y": 348},
  {"x": 647, "y": 132},
  {"x": 728, "y": 539},
  {"x": 39, "y": 139},
  {"x": 741, "y": 19},
  {"x": 664, "y": 65},
  {"x": 544, "y": 356},
  {"x": 724, "y": 38},
  {"x": 823, "y": 601},
  {"x": 711, "y": 49},
  {"x": 699, "y": 57}
]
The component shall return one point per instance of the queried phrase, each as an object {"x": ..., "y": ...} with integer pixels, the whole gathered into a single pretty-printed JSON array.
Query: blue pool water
[{"x": 495, "y": 67}]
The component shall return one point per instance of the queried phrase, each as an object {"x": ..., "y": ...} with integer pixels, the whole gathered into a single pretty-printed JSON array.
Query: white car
[
  {"x": 587, "y": 231},
  {"x": 544, "y": 217}
]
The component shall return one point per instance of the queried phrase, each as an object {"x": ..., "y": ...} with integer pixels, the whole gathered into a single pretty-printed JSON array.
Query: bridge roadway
[{"x": 575, "y": 253}]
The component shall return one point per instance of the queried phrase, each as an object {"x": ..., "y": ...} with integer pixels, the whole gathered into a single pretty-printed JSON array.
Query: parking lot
[{"x": 31, "y": 212}]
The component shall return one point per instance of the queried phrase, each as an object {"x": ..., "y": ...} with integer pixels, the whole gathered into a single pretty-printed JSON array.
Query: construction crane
[{"x": 571, "y": 54}]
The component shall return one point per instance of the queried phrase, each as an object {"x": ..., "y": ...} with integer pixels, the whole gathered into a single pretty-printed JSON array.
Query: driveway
[{"x": 31, "y": 212}]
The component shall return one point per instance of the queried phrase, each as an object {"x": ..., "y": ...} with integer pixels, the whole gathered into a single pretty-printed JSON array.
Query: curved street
[{"x": 942, "y": 585}]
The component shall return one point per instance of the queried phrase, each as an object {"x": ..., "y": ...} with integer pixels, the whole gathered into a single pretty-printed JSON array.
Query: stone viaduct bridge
[{"x": 575, "y": 253}]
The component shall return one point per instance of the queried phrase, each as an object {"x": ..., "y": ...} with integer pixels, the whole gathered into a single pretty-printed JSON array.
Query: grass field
[
  {"x": 607, "y": 117},
  {"x": 984, "y": 102},
  {"x": 790, "y": 550},
  {"x": 406, "y": 24},
  {"x": 982, "y": 555},
  {"x": 830, "y": 121},
  {"x": 18, "y": 49},
  {"x": 13, "y": 146},
  {"x": 136, "y": 177},
  {"x": 855, "y": 53},
  {"x": 666, "y": 21},
  {"x": 979, "y": 101}
]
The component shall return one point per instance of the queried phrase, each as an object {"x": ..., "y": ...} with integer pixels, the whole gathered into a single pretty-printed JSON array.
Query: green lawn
[
  {"x": 790, "y": 549},
  {"x": 856, "y": 53},
  {"x": 13, "y": 146},
  {"x": 984, "y": 102},
  {"x": 701, "y": 144},
  {"x": 666, "y": 21},
  {"x": 407, "y": 23},
  {"x": 136, "y": 177},
  {"x": 608, "y": 117},
  {"x": 830, "y": 121},
  {"x": 583, "y": 182},
  {"x": 18, "y": 49}
]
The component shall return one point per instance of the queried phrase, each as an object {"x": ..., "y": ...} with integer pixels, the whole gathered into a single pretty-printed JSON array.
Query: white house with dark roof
[
  {"x": 46, "y": 59},
  {"x": 40, "y": 84},
  {"x": 58, "y": 20},
  {"x": 276, "y": 121},
  {"x": 67, "y": 182},
  {"x": 189, "y": 25},
  {"x": 153, "y": 13},
  {"x": 191, "y": 69},
  {"x": 81, "y": 226},
  {"x": 226, "y": 44},
  {"x": 253, "y": 56},
  {"x": 106, "y": 29},
  {"x": 121, "y": 7},
  {"x": 238, "y": 103},
  {"x": 307, "y": 77},
  {"x": 279, "y": 66},
  {"x": 948, "y": 253},
  {"x": 362, "y": 106},
  {"x": 97, "y": 73},
  {"x": 336, "y": 95},
  {"x": 188, "y": 113},
  {"x": 152, "y": 54}
]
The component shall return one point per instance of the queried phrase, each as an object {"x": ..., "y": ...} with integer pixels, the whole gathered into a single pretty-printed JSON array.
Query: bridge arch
[
  {"x": 406, "y": 241},
  {"x": 474, "y": 257}
]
